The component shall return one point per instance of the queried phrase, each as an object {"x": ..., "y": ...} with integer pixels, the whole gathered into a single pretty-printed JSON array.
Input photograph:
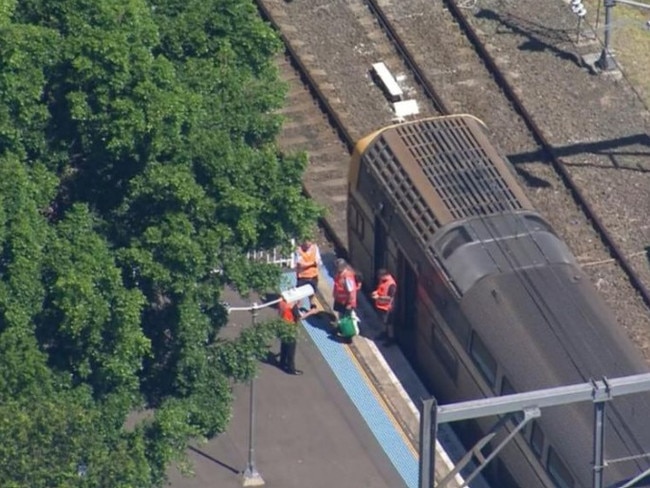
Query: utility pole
[
  {"x": 606, "y": 61},
  {"x": 252, "y": 477}
]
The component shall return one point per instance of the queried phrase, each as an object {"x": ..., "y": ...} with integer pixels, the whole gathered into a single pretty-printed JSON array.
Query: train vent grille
[
  {"x": 400, "y": 187},
  {"x": 459, "y": 168}
]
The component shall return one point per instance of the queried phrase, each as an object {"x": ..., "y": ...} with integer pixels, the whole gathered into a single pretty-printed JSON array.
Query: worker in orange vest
[
  {"x": 308, "y": 260},
  {"x": 291, "y": 314},
  {"x": 384, "y": 297},
  {"x": 345, "y": 288},
  {"x": 345, "y": 291}
]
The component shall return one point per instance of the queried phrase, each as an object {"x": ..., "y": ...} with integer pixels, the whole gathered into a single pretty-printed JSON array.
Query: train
[{"x": 491, "y": 301}]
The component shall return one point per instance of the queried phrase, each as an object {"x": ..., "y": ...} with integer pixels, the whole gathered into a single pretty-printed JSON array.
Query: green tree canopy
[{"x": 138, "y": 165}]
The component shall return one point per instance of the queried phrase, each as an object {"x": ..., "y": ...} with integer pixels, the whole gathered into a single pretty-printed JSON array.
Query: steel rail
[
  {"x": 557, "y": 163},
  {"x": 509, "y": 92}
]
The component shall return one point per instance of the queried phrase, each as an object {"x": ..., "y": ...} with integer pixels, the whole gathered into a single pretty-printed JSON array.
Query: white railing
[{"x": 275, "y": 256}]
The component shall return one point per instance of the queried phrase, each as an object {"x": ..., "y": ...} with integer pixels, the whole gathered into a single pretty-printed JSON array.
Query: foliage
[
  {"x": 59, "y": 439},
  {"x": 137, "y": 168},
  {"x": 237, "y": 359}
]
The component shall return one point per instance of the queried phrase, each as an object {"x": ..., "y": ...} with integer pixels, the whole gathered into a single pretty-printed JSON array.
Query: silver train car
[{"x": 491, "y": 301}]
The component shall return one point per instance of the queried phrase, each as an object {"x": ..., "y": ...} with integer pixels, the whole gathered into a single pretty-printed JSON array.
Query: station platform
[{"x": 341, "y": 423}]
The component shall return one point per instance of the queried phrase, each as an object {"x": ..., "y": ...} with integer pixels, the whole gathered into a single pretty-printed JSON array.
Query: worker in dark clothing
[
  {"x": 291, "y": 314},
  {"x": 384, "y": 297}
]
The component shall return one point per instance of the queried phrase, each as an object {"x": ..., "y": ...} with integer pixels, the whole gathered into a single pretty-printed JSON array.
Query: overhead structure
[{"x": 530, "y": 404}]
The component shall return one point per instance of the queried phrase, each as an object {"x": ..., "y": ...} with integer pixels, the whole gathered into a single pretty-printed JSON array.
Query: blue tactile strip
[{"x": 338, "y": 357}]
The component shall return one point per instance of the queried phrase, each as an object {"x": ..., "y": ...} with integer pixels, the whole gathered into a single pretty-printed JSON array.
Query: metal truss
[{"x": 530, "y": 404}]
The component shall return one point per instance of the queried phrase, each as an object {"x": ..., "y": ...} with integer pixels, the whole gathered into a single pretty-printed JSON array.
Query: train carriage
[{"x": 491, "y": 301}]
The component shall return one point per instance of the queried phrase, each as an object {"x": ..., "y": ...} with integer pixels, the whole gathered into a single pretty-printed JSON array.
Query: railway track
[{"x": 331, "y": 105}]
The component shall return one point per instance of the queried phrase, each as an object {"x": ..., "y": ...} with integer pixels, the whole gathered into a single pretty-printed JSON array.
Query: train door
[
  {"x": 379, "y": 249},
  {"x": 406, "y": 311}
]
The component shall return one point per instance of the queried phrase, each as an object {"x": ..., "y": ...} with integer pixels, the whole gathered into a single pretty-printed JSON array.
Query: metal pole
[
  {"x": 578, "y": 34},
  {"x": 427, "y": 452},
  {"x": 606, "y": 62},
  {"x": 251, "y": 476},
  {"x": 599, "y": 443}
]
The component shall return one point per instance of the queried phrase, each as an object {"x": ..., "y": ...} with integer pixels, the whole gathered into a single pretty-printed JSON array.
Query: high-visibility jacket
[
  {"x": 384, "y": 301},
  {"x": 341, "y": 293},
  {"x": 309, "y": 262},
  {"x": 286, "y": 311}
]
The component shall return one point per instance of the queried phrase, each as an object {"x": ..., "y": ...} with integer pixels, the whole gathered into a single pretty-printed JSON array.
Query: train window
[
  {"x": 352, "y": 216},
  {"x": 445, "y": 352},
  {"x": 355, "y": 219},
  {"x": 508, "y": 389},
  {"x": 558, "y": 471},
  {"x": 458, "y": 324},
  {"x": 537, "y": 439},
  {"x": 453, "y": 240},
  {"x": 483, "y": 359}
]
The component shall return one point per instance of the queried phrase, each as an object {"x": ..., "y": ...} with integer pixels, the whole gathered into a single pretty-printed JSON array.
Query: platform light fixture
[{"x": 252, "y": 477}]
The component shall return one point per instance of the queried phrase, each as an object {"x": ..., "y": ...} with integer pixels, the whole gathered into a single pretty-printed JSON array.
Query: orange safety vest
[
  {"x": 341, "y": 294},
  {"x": 383, "y": 301},
  {"x": 308, "y": 261},
  {"x": 286, "y": 311}
]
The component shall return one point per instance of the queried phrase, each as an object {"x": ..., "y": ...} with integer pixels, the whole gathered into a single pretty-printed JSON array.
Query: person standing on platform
[
  {"x": 290, "y": 314},
  {"x": 345, "y": 292},
  {"x": 308, "y": 261},
  {"x": 384, "y": 297}
]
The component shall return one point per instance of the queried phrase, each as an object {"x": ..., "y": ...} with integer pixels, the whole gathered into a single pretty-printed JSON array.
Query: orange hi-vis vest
[
  {"x": 384, "y": 301},
  {"x": 309, "y": 262},
  {"x": 341, "y": 294},
  {"x": 286, "y": 311}
]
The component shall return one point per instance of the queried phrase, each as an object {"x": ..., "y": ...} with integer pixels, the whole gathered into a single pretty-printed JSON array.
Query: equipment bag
[{"x": 348, "y": 325}]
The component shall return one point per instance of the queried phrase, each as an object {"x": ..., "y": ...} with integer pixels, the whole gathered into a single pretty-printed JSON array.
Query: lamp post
[
  {"x": 606, "y": 60},
  {"x": 252, "y": 477}
]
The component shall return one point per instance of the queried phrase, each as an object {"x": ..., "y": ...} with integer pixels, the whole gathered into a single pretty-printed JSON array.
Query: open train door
[
  {"x": 379, "y": 253},
  {"x": 406, "y": 310}
]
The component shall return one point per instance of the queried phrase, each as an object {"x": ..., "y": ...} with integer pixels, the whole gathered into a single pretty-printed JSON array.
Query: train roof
[
  {"x": 554, "y": 317},
  {"x": 549, "y": 327},
  {"x": 439, "y": 170}
]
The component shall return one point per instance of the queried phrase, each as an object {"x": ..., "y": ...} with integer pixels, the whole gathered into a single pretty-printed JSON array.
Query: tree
[{"x": 137, "y": 168}]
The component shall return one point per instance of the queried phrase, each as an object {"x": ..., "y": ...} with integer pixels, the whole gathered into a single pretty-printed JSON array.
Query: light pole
[
  {"x": 606, "y": 60},
  {"x": 252, "y": 477}
]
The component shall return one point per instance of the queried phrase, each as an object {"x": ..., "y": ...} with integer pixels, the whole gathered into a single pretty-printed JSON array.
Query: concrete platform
[{"x": 308, "y": 431}]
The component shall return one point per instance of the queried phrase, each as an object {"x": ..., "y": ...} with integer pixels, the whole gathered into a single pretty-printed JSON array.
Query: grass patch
[{"x": 630, "y": 42}]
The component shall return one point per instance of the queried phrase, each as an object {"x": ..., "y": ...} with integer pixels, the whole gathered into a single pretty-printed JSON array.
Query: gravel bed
[
  {"x": 345, "y": 40},
  {"x": 597, "y": 125},
  {"x": 538, "y": 58}
]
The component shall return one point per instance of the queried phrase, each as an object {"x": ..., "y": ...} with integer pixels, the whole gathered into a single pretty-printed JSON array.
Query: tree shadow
[
  {"x": 539, "y": 38},
  {"x": 531, "y": 180},
  {"x": 615, "y": 150}
]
